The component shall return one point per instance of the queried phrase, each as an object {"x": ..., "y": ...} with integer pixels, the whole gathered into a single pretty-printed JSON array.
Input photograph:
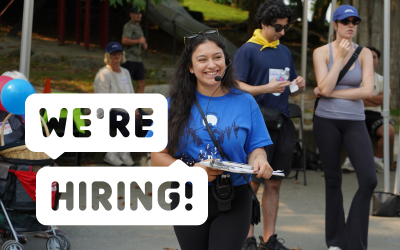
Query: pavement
[{"x": 300, "y": 222}]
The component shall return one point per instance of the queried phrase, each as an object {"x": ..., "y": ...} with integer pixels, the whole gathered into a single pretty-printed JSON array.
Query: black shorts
[
  {"x": 373, "y": 120},
  {"x": 136, "y": 69},
  {"x": 279, "y": 154}
]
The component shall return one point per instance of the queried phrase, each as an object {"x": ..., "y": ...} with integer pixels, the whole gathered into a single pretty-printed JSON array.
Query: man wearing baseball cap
[{"x": 133, "y": 41}]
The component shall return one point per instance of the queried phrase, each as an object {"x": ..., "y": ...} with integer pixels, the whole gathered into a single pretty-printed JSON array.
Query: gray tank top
[{"x": 341, "y": 109}]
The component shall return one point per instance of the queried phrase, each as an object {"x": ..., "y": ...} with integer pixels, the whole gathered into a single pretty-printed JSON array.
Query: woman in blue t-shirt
[
  {"x": 237, "y": 124},
  {"x": 339, "y": 119}
]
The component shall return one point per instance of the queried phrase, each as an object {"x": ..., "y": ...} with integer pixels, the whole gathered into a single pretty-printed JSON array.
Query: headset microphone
[{"x": 219, "y": 78}]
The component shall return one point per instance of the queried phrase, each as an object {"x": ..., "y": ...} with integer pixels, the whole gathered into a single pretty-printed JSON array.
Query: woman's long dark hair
[
  {"x": 183, "y": 88},
  {"x": 333, "y": 36}
]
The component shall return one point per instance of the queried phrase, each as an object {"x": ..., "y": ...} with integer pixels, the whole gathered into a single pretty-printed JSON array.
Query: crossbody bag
[
  {"x": 256, "y": 214},
  {"x": 342, "y": 73},
  {"x": 273, "y": 118}
]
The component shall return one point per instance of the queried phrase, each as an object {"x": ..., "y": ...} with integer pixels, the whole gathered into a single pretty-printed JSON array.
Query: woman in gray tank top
[{"x": 339, "y": 119}]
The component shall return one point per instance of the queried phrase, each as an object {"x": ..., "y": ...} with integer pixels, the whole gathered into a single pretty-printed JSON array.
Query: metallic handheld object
[{"x": 235, "y": 167}]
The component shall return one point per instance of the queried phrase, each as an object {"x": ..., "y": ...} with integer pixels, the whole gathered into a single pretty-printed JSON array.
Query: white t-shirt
[{"x": 378, "y": 88}]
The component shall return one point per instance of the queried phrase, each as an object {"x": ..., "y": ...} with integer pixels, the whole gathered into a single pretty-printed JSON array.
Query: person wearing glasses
[
  {"x": 340, "y": 119},
  {"x": 258, "y": 64},
  {"x": 113, "y": 78},
  {"x": 237, "y": 124}
]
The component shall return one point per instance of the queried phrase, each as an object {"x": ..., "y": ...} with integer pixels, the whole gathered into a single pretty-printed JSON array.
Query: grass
[
  {"x": 216, "y": 11},
  {"x": 62, "y": 76}
]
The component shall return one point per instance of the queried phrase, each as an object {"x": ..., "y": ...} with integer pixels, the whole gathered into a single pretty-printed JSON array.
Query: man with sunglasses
[
  {"x": 258, "y": 63},
  {"x": 133, "y": 41}
]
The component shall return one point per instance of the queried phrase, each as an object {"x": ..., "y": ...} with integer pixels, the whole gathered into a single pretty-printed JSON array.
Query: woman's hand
[
  {"x": 344, "y": 48},
  {"x": 211, "y": 173},
  {"x": 261, "y": 163},
  {"x": 317, "y": 92}
]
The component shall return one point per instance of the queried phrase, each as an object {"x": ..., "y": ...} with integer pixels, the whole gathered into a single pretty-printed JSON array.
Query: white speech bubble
[
  {"x": 178, "y": 172},
  {"x": 100, "y": 139}
]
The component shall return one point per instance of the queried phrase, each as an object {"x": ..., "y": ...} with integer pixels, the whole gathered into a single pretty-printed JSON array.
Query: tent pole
[
  {"x": 331, "y": 26},
  {"x": 26, "y": 38},
  {"x": 304, "y": 41},
  {"x": 386, "y": 82}
]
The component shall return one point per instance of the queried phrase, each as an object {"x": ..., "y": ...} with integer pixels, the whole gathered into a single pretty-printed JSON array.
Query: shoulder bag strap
[
  {"x": 216, "y": 143},
  {"x": 342, "y": 72},
  {"x": 116, "y": 81},
  {"x": 349, "y": 63}
]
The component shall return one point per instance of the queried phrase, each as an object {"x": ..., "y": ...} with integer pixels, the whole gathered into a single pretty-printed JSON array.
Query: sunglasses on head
[
  {"x": 347, "y": 21},
  {"x": 279, "y": 28},
  {"x": 204, "y": 32}
]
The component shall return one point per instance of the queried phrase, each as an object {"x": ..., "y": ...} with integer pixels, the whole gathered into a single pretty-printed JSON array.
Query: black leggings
[
  {"x": 222, "y": 230},
  {"x": 329, "y": 135}
]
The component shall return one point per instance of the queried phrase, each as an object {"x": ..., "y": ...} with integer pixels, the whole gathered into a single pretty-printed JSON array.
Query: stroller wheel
[
  {"x": 65, "y": 239},
  {"x": 6, "y": 235},
  {"x": 55, "y": 243},
  {"x": 12, "y": 245}
]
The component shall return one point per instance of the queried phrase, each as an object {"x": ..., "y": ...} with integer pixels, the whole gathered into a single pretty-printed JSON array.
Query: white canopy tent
[{"x": 26, "y": 39}]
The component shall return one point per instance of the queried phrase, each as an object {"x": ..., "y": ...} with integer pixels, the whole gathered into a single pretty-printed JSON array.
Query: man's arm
[
  {"x": 375, "y": 100},
  {"x": 128, "y": 41},
  {"x": 273, "y": 87}
]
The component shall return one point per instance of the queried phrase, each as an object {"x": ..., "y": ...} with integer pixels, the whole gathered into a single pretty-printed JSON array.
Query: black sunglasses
[
  {"x": 204, "y": 32},
  {"x": 114, "y": 53},
  {"x": 279, "y": 28},
  {"x": 347, "y": 21}
]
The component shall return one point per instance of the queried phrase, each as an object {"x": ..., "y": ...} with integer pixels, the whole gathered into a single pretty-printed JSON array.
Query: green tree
[{"x": 320, "y": 7}]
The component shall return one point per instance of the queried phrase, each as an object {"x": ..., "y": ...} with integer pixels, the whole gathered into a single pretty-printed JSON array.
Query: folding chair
[{"x": 298, "y": 163}]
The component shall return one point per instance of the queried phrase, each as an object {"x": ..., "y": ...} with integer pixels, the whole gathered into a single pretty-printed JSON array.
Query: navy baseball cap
[
  {"x": 113, "y": 46},
  {"x": 345, "y": 11}
]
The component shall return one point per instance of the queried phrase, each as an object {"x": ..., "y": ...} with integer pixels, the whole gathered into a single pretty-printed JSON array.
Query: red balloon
[{"x": 3, "y": 81}]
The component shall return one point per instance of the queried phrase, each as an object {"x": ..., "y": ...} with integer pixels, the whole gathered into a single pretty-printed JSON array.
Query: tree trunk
[
  {"x": 253, "y": 6},
  {"x": 318, "y": 21},
  {"x": 370, "y": 33}
]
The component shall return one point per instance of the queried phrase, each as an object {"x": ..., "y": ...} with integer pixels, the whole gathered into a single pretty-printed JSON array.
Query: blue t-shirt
[
  {"x": 252, "y": 67},
  {"x": 236, "y": 123}
]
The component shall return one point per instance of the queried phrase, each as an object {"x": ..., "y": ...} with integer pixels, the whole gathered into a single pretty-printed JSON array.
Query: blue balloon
[{"x": 14, "y": 95}]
